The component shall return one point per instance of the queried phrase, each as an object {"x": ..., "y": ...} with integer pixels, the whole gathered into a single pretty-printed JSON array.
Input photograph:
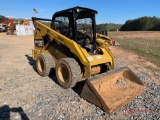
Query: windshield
[
  {"x": 85, "y": 33},
  {"x": 84, "y": 27}
]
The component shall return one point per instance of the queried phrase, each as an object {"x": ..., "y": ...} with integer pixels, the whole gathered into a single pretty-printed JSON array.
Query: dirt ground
[{"x": 25, "y": 94}]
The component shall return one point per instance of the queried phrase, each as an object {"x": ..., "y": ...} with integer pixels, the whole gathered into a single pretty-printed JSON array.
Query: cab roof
[{"x": 76, "y": 9}]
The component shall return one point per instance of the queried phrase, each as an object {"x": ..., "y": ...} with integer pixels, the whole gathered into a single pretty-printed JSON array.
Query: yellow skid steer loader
[
  {"x": 69, "y": 45},
  {"x": 109, "y": 40}
]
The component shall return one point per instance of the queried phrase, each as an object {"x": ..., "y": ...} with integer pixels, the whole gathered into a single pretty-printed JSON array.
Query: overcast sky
[{"x": 109, "y": 11}]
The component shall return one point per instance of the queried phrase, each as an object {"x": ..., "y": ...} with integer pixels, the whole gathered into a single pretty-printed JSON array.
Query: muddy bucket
[{"x": 112, "y": 90}]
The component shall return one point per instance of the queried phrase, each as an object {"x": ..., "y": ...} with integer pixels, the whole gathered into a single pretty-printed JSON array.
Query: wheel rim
[
  {"x": 40, "y": 65},
  {"x": 63, "y": 73}
]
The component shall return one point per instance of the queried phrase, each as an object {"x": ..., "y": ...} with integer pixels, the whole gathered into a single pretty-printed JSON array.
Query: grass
[{"x": 148, "y": 47}]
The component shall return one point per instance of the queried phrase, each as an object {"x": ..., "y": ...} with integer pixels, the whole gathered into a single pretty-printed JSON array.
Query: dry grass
[
  {"x": 146, "y": 44},
  {"x": 152, "y": 35}
]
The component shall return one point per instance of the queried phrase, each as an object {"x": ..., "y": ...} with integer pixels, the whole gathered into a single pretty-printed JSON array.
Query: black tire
[
  {"x": 45, "y": 64},
  {"x": 68, "y": 72}
]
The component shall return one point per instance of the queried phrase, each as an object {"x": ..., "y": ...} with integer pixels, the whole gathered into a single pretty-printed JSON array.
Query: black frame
[{"x": 73, "y": 14}]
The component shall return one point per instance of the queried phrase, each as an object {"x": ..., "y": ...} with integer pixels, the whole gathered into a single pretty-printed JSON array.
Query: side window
[{"x": 61, "y": 24}]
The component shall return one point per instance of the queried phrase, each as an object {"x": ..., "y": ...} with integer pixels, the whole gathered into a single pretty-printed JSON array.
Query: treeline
[
  {"x": 109, "y": 27},
  {"x": 16, "y": 20},
  {"x": 139, "y": 24},
  {"x": 142, "y": 24},
  {"x": 2, "y": 18}
]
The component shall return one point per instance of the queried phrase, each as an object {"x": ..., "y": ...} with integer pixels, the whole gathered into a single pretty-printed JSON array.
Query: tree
[
  {"x": 109, "y": 26},
  {"x": 142, "y": 24},
  {"x": 2, "y": 18}
]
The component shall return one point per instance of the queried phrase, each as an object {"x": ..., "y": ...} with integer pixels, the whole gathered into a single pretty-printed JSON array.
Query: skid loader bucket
[{"x": 112, "y": 90}]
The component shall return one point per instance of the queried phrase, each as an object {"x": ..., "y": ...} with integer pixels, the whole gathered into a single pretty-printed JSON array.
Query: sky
[{"x": 109, "y": 11}]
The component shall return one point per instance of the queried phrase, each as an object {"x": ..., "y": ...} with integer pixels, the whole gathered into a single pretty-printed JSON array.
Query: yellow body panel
[
  {"x": 108, "y": 40},
  {"x": 86, "y": 59}
]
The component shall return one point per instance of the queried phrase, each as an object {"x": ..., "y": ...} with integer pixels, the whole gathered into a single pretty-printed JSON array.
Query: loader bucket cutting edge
[{"x": 112, "y": 90}]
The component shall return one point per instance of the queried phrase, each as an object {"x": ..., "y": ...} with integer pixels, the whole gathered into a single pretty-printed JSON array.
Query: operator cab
[{"x": 78, "y": 24}]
